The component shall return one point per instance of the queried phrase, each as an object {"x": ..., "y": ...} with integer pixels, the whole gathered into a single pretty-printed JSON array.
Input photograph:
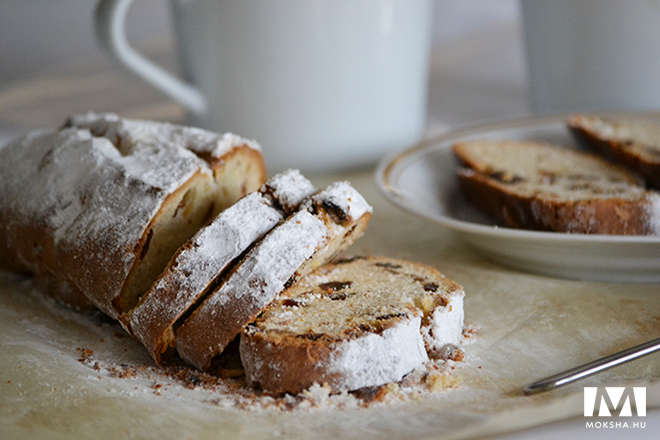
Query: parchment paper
[{"x": 529, "y": 327}]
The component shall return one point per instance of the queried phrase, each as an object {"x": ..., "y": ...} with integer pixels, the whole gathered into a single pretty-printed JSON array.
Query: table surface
[{"x": 455, "y": 100}]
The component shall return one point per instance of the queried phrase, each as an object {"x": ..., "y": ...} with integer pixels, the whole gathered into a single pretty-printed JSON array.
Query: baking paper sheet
[{"x": 529, "y": 327}]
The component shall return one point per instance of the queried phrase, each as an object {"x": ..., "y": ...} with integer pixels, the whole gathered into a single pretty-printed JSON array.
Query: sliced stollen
[
  {"x": 535, "y": 185},
  {"x": 324, "y": 226},
  {"x": 101, "y": 220},
  {"x": 634, "y": 143},
  {"x": 200, "y": 262},
  {"x": 355, "y": 323}
]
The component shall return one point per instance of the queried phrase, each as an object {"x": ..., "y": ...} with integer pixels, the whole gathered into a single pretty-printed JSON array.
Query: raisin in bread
[
  {"x": 356, "y": 323},
  {"x": 199, "y": 263},
  {"x": 534, "y": 185},
  {"x": 102, "y": 217},
  {"x": 324, "y": 226},
  {"x": 634, "y": 143}
]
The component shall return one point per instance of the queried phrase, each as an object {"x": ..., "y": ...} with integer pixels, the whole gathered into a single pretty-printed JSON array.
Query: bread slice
[
  {"x": 535, "y": 185},
  {"x": 103, "y": 219},
  {"x": 196, "y": 266},
  {"x": 634, "y": 143},
  {"x": 356, "y": 323},
  {"x": 328, "y": 223}
]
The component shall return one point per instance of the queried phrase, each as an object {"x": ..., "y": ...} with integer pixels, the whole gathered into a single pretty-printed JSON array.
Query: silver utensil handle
[{"x": 577, "y": 373}]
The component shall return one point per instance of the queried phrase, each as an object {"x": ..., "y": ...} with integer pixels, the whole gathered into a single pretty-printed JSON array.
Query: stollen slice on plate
[{"x": 541, "y": 186}]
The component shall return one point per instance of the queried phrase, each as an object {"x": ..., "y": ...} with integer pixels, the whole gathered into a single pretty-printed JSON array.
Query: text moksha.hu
[{"x": 615, "y": 425}]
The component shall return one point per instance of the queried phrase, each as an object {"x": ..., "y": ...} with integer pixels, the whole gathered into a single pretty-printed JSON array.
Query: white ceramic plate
[{"x": 422, "y": 180}]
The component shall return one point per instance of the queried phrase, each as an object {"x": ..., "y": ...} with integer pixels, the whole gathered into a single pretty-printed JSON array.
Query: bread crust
[
  {"x": 600, "y": 216},
  {"x": 616, "y": 149},
  {"x": 249, "y": 287},
  {"x": 280, "y": 364},
  {"x": 192, "y": 271}
]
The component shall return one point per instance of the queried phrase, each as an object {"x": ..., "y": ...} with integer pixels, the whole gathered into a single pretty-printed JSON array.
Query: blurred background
[{"x": 478, "y": 64}]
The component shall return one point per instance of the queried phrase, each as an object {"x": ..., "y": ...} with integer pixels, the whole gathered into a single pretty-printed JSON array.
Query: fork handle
[{"x": 577, "y": 373}]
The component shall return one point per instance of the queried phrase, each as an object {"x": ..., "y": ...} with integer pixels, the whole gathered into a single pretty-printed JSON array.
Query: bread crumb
[{"x": 434, "y": 377}]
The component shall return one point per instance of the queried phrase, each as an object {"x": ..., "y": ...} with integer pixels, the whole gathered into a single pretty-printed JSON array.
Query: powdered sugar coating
[
  {"x": 653, "y": 211},
  {"x": 198, "y": 264},
  {"x": 369, "y": 359},
  {"x": 340, "y": 324},
  {"x": 347, "y": 199},
  {"x": 131, "y": 131},
  {"x": 376, "y": 359},
  {"x": 289, "y": 188},
  {"x": 208, "y": 254},
  {"x": 254, "y": 282},
  {"x": 94, "y": 200},
  {"x": 444, "y": 324}
]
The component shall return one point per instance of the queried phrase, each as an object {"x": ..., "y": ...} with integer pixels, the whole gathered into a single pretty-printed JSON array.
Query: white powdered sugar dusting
[
  {"x": 289, "y": 188},
  {"x": 343, "y": 309},
  {"x": 253, "y": 283},
  {"x": 445, "y": 324},
  {"x": 129, "y": 131},
  {"x": 275, "y": 259},
  {"x": 343, "y": 196},
  {"x": 376, "y": 359},
  {"x": 653, "y": 212}
]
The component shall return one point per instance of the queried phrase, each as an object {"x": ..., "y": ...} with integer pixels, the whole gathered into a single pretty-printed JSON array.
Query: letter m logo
[{"x": 608, "y": 401}]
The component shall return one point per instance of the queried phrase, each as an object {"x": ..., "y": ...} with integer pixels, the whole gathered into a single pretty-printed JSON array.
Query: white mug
[
  {"x": 592, "y": 54},
  {"x": 322, "y": 85}
]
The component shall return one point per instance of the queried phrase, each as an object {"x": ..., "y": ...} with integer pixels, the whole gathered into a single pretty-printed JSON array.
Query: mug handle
[{"x": 110, "y": 24}]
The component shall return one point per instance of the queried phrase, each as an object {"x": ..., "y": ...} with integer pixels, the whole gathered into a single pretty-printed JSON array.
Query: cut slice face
[
  {"x": 200, "y": 262},
  {"x": 355, "y": 323},
  {"x": 324, "y": 226}
]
